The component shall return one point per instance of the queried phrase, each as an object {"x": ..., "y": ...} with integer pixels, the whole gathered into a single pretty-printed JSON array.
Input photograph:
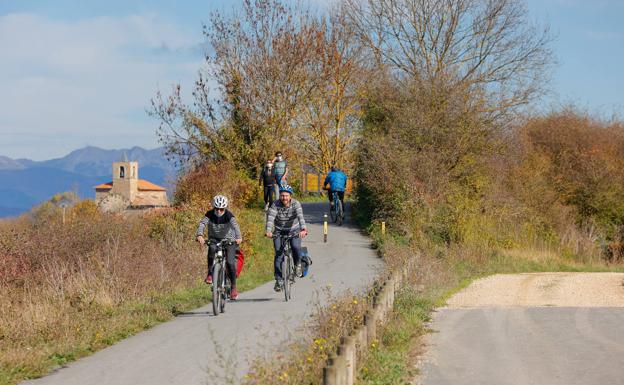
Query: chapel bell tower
[{"x": 125, "y": 179}]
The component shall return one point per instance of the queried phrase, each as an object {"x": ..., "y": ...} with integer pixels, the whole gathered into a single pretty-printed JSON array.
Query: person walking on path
[
  {"x": 281, "y": 171},
  {"x": 267, "y": 179}
]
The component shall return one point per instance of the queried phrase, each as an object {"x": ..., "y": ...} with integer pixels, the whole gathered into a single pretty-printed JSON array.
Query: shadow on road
[
  {"x": 254, "y": 299},
  {"x": 314, "y": 212},
  {"x": 209, "y": 313},
  {"x": 195, "y": 314}
]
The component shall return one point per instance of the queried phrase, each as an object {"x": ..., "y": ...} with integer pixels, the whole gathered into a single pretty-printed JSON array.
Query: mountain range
[{"x": 24, "y": 182}]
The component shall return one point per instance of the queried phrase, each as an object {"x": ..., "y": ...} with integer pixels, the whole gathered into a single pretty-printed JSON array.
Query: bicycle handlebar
[
  {"x": 222, "y": 243},
  {"x": 286, "y": 236}
]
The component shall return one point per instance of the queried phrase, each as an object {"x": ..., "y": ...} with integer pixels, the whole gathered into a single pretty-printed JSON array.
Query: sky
[{"x": 78, "y": 73}]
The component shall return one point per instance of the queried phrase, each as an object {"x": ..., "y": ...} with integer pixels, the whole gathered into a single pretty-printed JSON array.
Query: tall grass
[{"x": 71, "y": 289}]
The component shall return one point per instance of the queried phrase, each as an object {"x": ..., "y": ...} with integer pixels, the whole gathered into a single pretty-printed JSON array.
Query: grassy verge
[
  {"x": 392, "y": 361},
  {"x": 77, "y": 301}
]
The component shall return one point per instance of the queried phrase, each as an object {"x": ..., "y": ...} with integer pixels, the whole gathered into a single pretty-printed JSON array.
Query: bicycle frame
[
  {"x": 220, "y": 289},
  {"x": 337, "y": 210},
  {"x": 288, "y": 264}
]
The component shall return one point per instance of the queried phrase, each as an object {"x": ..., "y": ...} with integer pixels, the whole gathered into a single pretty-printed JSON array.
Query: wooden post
[
  {"x": 341, "y": 365},
  {"x": 318, "y": 183},
  {"x": 329, "y": 372},
  {"x": 350, "y": 354},
  {"x": 370, "y": 328},
  {"x": 304, "y": 181}
]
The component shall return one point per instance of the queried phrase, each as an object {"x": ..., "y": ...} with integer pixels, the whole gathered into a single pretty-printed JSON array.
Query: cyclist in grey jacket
[
  {"x": 286, "y": 216},
  {"x": 221, "y": 225}
]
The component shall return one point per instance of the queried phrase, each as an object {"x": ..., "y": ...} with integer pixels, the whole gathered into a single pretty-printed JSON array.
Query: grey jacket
[
  {"x": 285, "y": 219},
  {"x": 223, "y": 227}
]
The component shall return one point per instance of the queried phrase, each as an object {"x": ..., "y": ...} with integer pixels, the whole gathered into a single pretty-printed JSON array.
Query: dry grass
[
  {"x": 307, "y": 353},
  {"x": 69, "y": 290}
]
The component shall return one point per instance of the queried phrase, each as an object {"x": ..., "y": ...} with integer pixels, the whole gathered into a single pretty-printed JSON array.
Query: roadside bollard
[
  {"x": 324, "y": 228},
  {"x": 383, "y": 229}
]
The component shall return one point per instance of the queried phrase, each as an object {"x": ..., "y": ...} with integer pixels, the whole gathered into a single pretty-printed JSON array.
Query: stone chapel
[{"x": 138, "y": 193}]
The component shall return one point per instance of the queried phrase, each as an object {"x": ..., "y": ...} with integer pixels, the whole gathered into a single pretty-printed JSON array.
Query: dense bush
[
  {"x": 441, "y": 172},
  {"x": 571, "y": 172},
  {"x": 198, "y": 186}
]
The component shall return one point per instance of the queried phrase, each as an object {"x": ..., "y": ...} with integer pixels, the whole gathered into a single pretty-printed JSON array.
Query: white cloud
[{"x": 86, "y": 81}]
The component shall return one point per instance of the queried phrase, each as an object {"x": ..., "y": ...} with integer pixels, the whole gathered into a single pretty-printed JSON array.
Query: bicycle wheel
[
  {"x": 332, "y": 212},
  {"x": 339, "y": 212},
  {"x": 216, "y": 295},
  {"x": 286, "y": 276},
  {"x": 223, "y": 291}
]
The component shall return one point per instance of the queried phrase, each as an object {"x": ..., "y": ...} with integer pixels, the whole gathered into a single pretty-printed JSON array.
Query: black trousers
[
  {"x": 340, "y": 196},
  {"x": 230, "y": 261},
  {"x": 268, "y": 193}
]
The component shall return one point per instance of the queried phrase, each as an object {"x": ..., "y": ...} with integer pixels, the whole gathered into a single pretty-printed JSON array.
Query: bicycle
[
  {"x": 336, "y": 211},
  {"x": 221, "y": 282},
  {"x": 288, "y": 264}
]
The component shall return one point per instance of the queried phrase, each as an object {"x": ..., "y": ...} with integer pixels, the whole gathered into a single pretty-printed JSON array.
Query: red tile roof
[
  {"x": 143, "y": 185},
  {"x": 149, "y": 186},
  {"x": 104, "y": 186}
]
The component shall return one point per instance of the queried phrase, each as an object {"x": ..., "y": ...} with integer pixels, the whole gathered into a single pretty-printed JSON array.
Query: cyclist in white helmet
[{"x": 221, "y": 225}]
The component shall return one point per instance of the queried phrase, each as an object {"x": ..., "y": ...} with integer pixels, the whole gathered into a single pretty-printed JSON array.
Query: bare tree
[{"x": 487, "y": 47}]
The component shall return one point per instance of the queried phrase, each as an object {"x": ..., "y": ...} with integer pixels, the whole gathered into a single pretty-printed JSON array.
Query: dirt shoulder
[{"x": 543, "y": 289}]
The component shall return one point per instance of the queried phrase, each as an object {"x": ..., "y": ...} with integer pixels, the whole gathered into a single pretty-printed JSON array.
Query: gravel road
[
  {"x": 186, "y": 350},
  {"x": 542, "y": 329},
  {"x": 544, "y": 289}
]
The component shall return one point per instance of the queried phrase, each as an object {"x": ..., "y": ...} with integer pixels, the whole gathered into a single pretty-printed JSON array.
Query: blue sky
[{"x": 76, "y": 73}]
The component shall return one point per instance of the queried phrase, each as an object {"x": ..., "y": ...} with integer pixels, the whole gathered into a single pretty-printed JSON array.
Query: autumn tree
[
  {"x": 331, "y": 114},
  {"x": 282, "y": 78},
  {"x": 456, "y": 73},
  {"x": 258, "y": 61}
]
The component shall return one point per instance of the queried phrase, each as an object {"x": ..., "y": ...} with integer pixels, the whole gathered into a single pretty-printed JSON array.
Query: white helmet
[{"x": 219, "y": 202}]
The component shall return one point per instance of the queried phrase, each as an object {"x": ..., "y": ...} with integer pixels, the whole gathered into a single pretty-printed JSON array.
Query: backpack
[
  {"x": 240, "y": 261},
  {"x": 306, "y": 262}
]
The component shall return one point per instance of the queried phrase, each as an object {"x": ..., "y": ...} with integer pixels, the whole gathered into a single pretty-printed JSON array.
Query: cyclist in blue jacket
[{"x": 337, "y": 181}]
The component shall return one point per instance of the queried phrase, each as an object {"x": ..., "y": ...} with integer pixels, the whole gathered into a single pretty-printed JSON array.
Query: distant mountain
[
  {"x": 10, "y": 164},
  {"x": 96, "y": 161},
  {"x": 24, "y": 183},
  {"x": 25, "y": 188}
]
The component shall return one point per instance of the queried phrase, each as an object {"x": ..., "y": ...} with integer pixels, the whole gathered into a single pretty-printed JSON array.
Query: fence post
[
  {"x": 350, "y": 354},
  {"x": 304, "y": 180},
  {"x": 318, "y": 183},
  {"x": 329, "y": 372},
  {"x": 341, "y": 366},
  {"x": 370, "y": 328}
]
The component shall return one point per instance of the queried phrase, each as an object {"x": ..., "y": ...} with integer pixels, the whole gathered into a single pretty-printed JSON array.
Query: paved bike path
[{"x": 181, "y": 351}]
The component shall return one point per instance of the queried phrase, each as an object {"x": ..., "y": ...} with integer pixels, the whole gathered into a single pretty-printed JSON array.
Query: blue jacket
[{"x": 337, "y": 180}]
